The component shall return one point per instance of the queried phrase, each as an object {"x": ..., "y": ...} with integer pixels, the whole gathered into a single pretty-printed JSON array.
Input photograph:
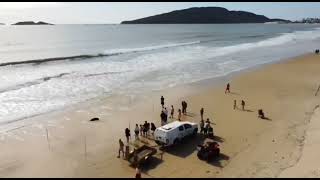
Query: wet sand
[{"x": 250, "y": 147}]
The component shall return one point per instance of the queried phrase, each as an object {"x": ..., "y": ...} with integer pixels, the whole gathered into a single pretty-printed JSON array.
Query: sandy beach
[{"x": 66, "y": 144}]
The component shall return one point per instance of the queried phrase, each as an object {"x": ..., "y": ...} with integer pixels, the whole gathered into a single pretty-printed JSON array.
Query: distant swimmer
[{"x": 227, "y": 89}]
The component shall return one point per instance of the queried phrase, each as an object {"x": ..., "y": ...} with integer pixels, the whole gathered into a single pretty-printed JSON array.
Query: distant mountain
[
  {"x": 204, "y": 15},
  {"x": 32, "y": 23}
]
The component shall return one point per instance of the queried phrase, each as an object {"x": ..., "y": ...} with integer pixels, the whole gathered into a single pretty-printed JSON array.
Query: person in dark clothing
[
  {"x": 243, "y": 104},
  {"x": 184, "y": 107},
  {"x": 201, "y": 126},
  {"x": 153, "y": 128},
  {"x": 163, "y": 117},
  {"x": 162, "y": 101},
  {"x": 149, "y": 128},
  {"x": 127, "y": 132},
  {"x": 201, "y": 113},
  {"x": 145, "y": 128},
  {"x": 227, "y": 89}
]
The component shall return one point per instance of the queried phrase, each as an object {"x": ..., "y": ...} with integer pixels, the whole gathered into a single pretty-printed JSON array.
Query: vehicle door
[
  {"x": 188, "y": 129},
  {"x": 181, "y": 132}
]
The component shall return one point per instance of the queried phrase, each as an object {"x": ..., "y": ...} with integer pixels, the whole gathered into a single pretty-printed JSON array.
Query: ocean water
[{"x": 46, "y": 68}]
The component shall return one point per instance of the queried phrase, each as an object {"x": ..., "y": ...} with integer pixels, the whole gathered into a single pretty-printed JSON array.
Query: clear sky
[{"x": 115, "y": 12}]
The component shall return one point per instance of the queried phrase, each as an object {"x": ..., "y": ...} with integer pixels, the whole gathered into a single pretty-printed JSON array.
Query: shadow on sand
[
  {"x": 217, "y": 161},
  {"x": 185, "y": 148},
  {"x": 234, "y": 93},
  {"x": 266, "y": 118},
  {"x": 150, "y": 164}
]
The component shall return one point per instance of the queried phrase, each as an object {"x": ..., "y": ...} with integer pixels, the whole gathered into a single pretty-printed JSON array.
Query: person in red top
[
  {"x": 138, "y": 173},
  {"x": 227, "y": 89}
]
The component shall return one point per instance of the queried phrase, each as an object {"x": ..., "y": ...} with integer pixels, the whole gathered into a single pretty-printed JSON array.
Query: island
[
  {"x": 2, "y": 24},
  {"x": 204, "y": 15},
  {"x": 32, "y": 23}
]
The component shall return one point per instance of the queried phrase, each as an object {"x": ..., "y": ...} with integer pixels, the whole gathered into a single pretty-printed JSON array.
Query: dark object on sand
[
  {"x": 317, "y": 51},
  {"x": 94, "y": 119},
  {"x": 141, "y": 155},
  {"x": 208, "y": 150},
  {"x": 261, "y": 114}
]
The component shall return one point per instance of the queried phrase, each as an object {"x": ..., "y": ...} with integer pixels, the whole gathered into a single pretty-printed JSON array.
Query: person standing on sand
[
  {"x": 127, "y": 132},
  {"x": 145, "y": 128},
  {"x": 172, "y": 112},
  {"x": 243, "y": 104},
  {"x": 201, "y": 126},
  {"x": 141, "y": 130},
  {"x": 153, "y": 128},
  {"x": 179, "y": 114},
  {"x": 136, "y": 132},
  {"x": 201, "y": 113},
  {"x": 166, "y": 112},
  {"x": 162, "y": 101},
  {"x": 121, "y": 148},
  {"x": 138, "y": 172},
  {"x": 185, "y": 108},
  {"x": 163, "y": 118},
  {"x": 227, "y": 89},
  {"x": 234, "y": 104},
  {"x": 183, "y": 104}
]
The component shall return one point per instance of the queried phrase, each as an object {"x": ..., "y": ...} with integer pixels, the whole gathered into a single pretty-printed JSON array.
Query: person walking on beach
[
  {"x": 227, "y": 89},
  {"x": 201, "y": 113},
  {"x": 243, "y": 104},
  {"x": 162, "y": 101},
  {"x": 136, "y": 132},
  {"x": 172, "y": 112},
  {"x": 121, "y": 148},
  {"x": 201, "y": 126},
  {"x": 127, "y": 132},
  {"x": 234, "y": 104},
  {"x": 179, "y": 114}
]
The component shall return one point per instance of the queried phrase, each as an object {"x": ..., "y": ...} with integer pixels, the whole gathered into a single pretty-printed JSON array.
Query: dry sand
[{"x": 250, "y": 147}]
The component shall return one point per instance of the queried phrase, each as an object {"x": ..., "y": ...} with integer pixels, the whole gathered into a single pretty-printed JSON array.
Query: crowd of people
[{"x": 144, "y": 130}]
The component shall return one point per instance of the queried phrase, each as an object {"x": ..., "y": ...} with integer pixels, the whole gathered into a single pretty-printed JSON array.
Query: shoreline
[
  {"x": 251, "y": 147},
  {"x": 201, "y": 85}
]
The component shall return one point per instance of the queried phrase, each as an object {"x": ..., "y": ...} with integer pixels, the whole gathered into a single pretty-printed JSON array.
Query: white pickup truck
[{"x": 174, "y": 132}]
